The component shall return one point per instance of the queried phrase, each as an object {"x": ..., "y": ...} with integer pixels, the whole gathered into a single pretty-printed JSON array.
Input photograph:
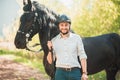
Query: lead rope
[{"x": 49, "y": 38}]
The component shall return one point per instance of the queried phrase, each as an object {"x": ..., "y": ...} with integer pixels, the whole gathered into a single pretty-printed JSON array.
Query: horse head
[
  {"x": 35, "y": 19},
  {"x": 27, "y": 27}
]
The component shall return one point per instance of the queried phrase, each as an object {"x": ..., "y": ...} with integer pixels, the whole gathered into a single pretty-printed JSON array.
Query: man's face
[{"x": 64, "y": 27}]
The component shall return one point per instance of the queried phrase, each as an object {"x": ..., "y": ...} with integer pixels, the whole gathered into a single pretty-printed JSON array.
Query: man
[{"x": 67, "y": 47}]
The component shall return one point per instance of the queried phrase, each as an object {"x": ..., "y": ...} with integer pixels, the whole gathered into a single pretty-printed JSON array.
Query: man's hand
[
  {"x": 49, "y": 44},
  {"x": 49, "y": 57},
  {"x": 84, "y": 76}
]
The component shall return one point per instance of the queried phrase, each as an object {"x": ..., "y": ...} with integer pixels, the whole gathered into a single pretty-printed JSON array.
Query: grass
[
  {"x": 35, "y": 61},
  {"x": 99, "y": 76},
  {"x": 29, "y": 59},
  {"x": 32, "y": 60}
]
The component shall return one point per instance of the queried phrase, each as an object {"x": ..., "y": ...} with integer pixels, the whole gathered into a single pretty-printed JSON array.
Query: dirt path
[{"x": 10, "y": 70}]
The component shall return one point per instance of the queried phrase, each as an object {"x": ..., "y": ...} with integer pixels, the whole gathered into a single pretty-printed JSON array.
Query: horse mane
[
  {"x": 47, "y": 16},
  {"x": 44, "y": 10},
  {"x": 40, "y": 7}
]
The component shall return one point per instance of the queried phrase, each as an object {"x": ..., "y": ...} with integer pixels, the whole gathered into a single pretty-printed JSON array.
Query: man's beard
[{"x": 65, "y": 32}]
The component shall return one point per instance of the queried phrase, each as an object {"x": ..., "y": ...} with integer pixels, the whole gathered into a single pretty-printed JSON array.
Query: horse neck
[
  {"x": 46, "y": 16},
  {"x": 43, "y": 40}
]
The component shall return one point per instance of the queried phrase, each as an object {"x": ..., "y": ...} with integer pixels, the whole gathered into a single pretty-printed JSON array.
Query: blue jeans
[{"x": 62, "y": 74}]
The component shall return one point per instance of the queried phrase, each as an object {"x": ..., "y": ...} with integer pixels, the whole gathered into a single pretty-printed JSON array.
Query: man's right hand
[{"x": 49, "y": 57}]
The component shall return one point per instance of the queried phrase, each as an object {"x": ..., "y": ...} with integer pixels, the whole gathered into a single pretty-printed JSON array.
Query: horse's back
[{"x": 100, "y": 51}]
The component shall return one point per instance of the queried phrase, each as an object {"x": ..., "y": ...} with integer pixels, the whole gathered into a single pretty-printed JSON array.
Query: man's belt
[{"x": 68, "y": 69}]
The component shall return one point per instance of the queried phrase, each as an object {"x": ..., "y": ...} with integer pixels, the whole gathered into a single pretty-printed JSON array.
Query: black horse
[{"x": 103, "y": 51}]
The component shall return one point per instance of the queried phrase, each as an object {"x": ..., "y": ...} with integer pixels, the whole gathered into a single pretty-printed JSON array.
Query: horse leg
[{"x": 111, "y": 73}]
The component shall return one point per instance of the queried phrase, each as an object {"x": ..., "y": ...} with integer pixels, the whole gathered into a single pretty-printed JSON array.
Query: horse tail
[{"x": 115, "y": 39}]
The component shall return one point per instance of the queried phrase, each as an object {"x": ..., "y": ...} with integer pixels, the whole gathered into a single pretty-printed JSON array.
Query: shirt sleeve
[{"x": 80, "y": 49}]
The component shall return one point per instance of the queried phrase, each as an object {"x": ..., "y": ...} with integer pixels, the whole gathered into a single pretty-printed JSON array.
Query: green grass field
[{"x": 35, "y": 61}]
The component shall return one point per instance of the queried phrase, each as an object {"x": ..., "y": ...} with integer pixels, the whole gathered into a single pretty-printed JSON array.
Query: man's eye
[
  {"x": 66, "y": 25},
  {"x": 62, "y": 25}
]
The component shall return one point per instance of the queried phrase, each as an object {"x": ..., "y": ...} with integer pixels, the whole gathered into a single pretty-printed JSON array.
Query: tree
[{"x": 96, "y": 17}]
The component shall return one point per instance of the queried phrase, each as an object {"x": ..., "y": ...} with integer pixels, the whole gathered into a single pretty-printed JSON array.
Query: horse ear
[
  {"x": 24, "y": 3},
  {"x": 29, "y": 2}
]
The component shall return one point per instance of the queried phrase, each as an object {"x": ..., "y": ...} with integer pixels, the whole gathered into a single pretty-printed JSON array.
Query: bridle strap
[
  {"x": 21, "y": 32},
  {"x": 27, "y": 35},
  {"x": 49, "y": 39}
]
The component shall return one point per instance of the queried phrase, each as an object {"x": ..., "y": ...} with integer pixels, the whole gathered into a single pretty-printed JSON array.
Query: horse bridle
[{"x": 27, "y": 35}]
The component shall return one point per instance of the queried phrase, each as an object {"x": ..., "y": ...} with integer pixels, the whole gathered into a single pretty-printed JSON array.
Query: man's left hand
[{"x": 84, "y": 76}]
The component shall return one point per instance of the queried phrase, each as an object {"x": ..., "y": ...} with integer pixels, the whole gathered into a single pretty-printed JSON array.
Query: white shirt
[{"x": 67, "y": 50}]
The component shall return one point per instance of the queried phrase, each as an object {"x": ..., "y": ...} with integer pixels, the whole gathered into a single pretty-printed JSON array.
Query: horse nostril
[
  {"x": 17, "y": 43},
  {"x": 20, "y": 44}
]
